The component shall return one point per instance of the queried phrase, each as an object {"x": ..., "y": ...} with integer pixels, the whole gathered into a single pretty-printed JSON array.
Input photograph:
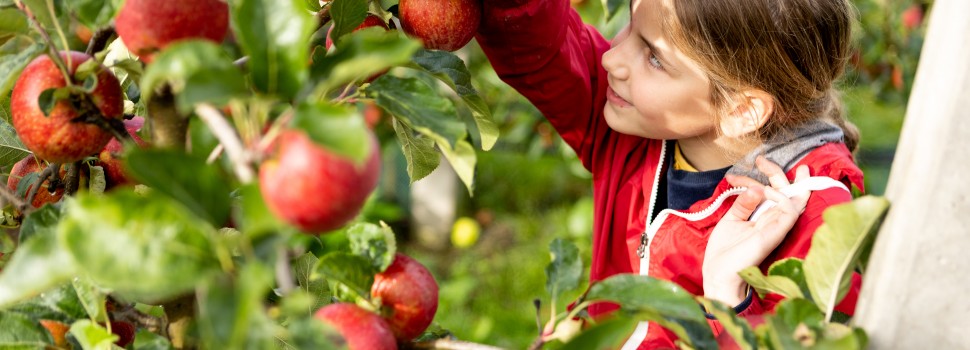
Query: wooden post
[{"x": 916, "y": 293}]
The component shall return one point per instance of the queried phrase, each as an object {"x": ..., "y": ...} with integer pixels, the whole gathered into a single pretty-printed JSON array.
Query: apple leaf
[
  {"x": 200, "y": 187},
  {"x": 11, "y": 65},
  {"x": 608, "y": 334},
  {"x": 146, "y": 340},
  {"x": 360, "y": 55},
  {"x": 146, "y": 247},
  {"x": 37, "y": 265},
  {"x": 737, "y": 327},
  {"x": 770, "y": 284},
  {"x": 313, "y": 5},
  {"x": 91, "y": 298},
  {"x": 49, "y": 98},
  {"x": 59, "y": 304},
  {"x": 274, "y": 34},
  {"x": 353, "y": 271},
  {"x": 94, "y": 13},
  {"x": 314, "y": 286},
  {"x": 12, "y": 22},
  {"x": 41, "y": 222},
  {"x": 836, "y": 246},
  {"x": 40, "y": 11},
  {"x": 231, "y": 312},
  {"x": 566, "y": 268},
  {"x": 337, "y": 128},
  {"x": 92, "y": 335},
  {"x": 17, "y": 331},
  {"x": 790, "y": 314},
  {"x": 11, "y": 149},
  {"x": 462, "y": 159},
  {"x": 419, "y": 106},
  {"x": 347, "y": 15},
  {"x": 793, "y": 269},
  {"x": 253, "y": 216},
  {"x": 309, "y": 333},
  {"x": 197, "y": 70},
  {"x": 668, "y": 305},
  {"x": 451, "y": 70},
  {"x": 613, "y": 6},
  {"x": 375, "y": 243},
  {"x": 418, "y": 150}
]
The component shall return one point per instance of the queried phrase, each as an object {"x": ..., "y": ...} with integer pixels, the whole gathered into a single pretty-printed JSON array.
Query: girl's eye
[{"x": 655, "y": 63}]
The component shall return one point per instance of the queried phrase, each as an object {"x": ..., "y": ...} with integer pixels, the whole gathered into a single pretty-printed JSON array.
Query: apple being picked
[
  {"x": 109, "y": 156},
  {"x": 57, "y": 137},
  {"x": 442, "y": 24},
  {"x": 370, "y": 21},
  {"x": 313, "y": 188},
  {"x": 147, "y": 26},
  {"x": 408, "y": 295},
  {"x": 27, "y": 166},
  {"x": 361, "y": 329}
]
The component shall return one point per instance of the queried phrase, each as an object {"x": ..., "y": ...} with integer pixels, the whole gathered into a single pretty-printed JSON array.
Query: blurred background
[{"x": 489, "y": 250}]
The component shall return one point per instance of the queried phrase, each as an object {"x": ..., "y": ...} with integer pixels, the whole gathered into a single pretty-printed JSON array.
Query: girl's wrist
[{"x": 730, "y": 293}]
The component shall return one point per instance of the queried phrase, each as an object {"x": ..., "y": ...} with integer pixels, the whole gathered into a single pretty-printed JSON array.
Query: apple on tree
[
  {"x": 27, "y": 166},
  {"x": 313, "y": 188},
  {"x": 441, "y": 24},
  {"x": 109, "y": 156},
  {"x": 57, "y": 137},
  {"x": 361, "y": 329},
  {"x": 408, "y": 295},
  {"x": 147, "y": 26}
]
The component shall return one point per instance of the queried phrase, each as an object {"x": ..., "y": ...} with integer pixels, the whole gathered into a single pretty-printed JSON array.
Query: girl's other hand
[{"x": 737, "y": 243}]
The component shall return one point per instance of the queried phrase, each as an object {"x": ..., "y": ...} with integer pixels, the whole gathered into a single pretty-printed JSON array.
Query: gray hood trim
[{"x": 786, "y": 149}]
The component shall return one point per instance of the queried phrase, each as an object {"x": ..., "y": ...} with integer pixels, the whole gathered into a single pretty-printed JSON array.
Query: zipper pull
[{"x": 642, "y": 250}]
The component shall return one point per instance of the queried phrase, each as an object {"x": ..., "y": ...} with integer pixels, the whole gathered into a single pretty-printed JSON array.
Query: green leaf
[
  {"x": 837, "y": 245},
  {"x": 613, "y": 6},
  {"x": 738, "y": 328},
  {"x": 12, "y": 65},
  {"x": 197, "y": 71},
  {"x": 667, "y": 304},
  {"x": 18, "y": 331},
  {"x": 42, "y": 222},
  {"x": 275, "y": 35},
  {"x": 44, "y": 16},
  {"x": 315, "y": 286},
  {"x": 36, "y": 266},
  {"x": 462, "y": 160},
  {"x": 347, "y": 16},
  {"x": 145, "y": 340},
  {"x": 64, "y": 301},
  {"x": 793, "y": 312},
  {"x": 375, "y": 243},
  {"x": 354, "y": 272},
  {"x": 94, "y": 13},
  {"x": 92, "y": 336},
  {"x": 770, "y": 284},
  {"x": 418, "y": 150},
  {"x": 12, "y": 22},
  {"x": 254, "y": 217},
  {"x": 360, "y": 55},
  {"x": 336, "y": 128},
  {"x": 200, "y": 187},
  {"x": 793, "y": 269},
  {"x": 420, "y": 107},
  {"x": 146, "y": 248},
  {"x": 91, "y": 298},
  {"x": 11, "y": 149},
  {"x": 309, "y": 333},
  {"x": 49, "y": 98},
  {"x": 566, "y": 268},
  {"x": 451, "y": 70},
  {"x": 609, "y": 334},
  {"x": 231, "y": 312},
  {"x": 313, "y": 5}
]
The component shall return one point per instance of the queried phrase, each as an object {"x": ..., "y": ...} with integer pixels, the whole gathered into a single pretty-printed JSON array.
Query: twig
[
  {"x": 447, "y": 344},
  {"x": 54, "y": 55},
  {"x": 128, "y": 313},
  {"x": 169, "y": 127},
  {"x": 324, "y": 16},
  {"x": 229, "y": 139},
  {"x": 100, "y": 40},
  {"x": 284, "y": 273},
  {"x": 11, "y": 197},
  {"x": 73, "y": 180},
  {"x": 49, "y": 172}
]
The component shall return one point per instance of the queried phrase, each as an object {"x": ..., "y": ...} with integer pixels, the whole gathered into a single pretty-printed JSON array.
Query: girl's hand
[{"x": 737, "y": 243}]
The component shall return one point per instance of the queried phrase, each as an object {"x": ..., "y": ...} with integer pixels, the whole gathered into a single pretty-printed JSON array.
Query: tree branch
[
  {"x": 100, "y": 40},
  {"x": 169, "y": 127},
  {"x": 73, "y": 180},
  {"x": 51, "y": 48},
  {"x": 229, "y": 139}
]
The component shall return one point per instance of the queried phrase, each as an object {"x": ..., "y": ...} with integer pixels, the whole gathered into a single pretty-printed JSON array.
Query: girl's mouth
[{"x": 615, "y": 99}]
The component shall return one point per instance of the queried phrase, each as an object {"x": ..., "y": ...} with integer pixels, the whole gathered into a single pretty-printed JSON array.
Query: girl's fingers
[
  {"x": 742, "y": 181},
  {"x": 776, "y": 175},
  {"x": 745, "y": 204}
]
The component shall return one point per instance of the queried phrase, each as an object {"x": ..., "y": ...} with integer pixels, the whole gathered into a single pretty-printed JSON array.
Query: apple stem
[
  {"x": 100, "y": 40},
  {"x": 229, "y": 139},
  {"x": 54, "y": 55}
]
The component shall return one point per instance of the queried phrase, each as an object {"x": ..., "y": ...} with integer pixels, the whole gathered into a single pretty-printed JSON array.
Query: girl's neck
[{"x": 716, "y": 153}]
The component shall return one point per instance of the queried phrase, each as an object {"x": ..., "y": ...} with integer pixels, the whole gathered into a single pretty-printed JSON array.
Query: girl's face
[{"x": 655, "y": 91}]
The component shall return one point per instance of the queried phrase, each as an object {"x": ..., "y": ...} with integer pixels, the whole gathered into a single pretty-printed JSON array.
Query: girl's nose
[{"x": 613, "y": 60}]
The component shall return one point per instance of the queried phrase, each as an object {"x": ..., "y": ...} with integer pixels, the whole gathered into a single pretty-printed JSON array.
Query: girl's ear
[{"x": 751, "y": 112}]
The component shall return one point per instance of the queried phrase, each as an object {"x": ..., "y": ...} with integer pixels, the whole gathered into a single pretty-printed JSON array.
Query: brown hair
[{"x": 794, "y": 50}]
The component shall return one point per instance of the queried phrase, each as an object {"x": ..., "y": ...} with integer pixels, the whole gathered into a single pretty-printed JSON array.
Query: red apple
[
  {"x": 361, "y": 329},
  {"x": 912, "y": 17},
  {"x": 370, "y": 21},
  {"x": 408, "y": 295},
  {"x": 147, "y": 26},
  {"x": 313, "y": 188},
  {"x": 110, "y": 155},
  {"x": 25, "y": 167},
  {"x": 442, "y": 24},
  {"x": 56, "y": 137},
  {"x": 125, "y": 332}
]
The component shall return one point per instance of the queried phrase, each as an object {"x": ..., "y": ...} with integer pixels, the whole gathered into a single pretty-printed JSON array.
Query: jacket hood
[{"x": 787, "y": 148}]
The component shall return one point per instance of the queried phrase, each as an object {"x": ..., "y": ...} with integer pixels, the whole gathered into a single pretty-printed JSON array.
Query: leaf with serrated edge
[
  {"x": 418, "y": 150},
  {"x": 373, "y": 242},
  {"x": 566, "y": 268},
  {"x": 347, "y": 15},
  {"x": 11, "y": 149},
  {"x": 37, "y": 265},
  {"x": 462, "y": 160}
]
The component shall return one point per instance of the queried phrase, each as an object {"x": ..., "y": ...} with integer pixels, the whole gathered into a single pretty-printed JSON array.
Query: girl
[{"x": 689, "y": 101}]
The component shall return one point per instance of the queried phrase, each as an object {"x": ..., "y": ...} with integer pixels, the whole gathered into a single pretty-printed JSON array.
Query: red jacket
[{"x": 544, "y": 51}]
